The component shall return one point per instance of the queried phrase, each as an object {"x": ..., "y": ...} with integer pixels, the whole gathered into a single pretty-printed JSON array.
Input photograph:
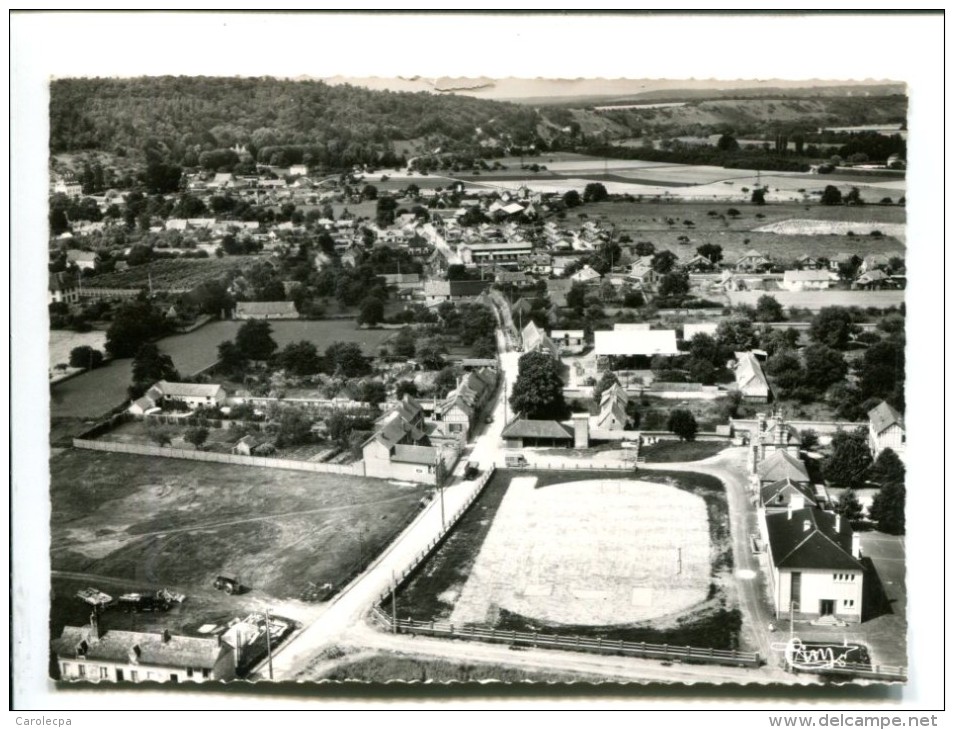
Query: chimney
[
  {"x": 94, "y": 626},
  {"x": 166, "y": 636},
  {"x": 837, "y": 523},
  {"x": 806, "y": 525},
  {"x": 789, "y": 510},
  {"x": 856, "y": 546}
]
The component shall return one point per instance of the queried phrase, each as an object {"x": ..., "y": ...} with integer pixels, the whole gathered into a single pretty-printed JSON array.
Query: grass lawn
[
  {"x": 669, "y": 451},
  {"x": 180, "y": 523},
  {"x": 432, "y": 590}
]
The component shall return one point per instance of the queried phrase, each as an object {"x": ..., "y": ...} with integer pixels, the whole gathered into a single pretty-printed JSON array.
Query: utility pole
[
  {"x": 393, "y": 604},
  {"x": 268, "y": 643}
]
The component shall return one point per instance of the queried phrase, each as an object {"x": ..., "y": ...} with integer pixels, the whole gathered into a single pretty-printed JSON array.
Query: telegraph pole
[{"x": 393, "y": 604}]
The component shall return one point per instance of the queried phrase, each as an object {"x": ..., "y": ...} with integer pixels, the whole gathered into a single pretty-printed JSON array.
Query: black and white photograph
[{"x": 596, "y": 379}]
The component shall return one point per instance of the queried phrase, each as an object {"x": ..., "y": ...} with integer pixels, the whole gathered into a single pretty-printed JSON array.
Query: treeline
[
  {"x": 306, "y": 121},
  {"x": 703, "y": 155}
]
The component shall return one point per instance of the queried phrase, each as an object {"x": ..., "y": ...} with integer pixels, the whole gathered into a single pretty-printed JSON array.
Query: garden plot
[{"x": 590, "y": 553}]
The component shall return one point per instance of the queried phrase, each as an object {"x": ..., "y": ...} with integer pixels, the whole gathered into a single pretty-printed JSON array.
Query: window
[
  {"x": 65, "y": 669},
  {"x": 82, "y": 669},
  {"x": 206, "y": 673},
  {"x": 849, "y": 602},
  {"x": 189, "y": 672},
  {"x": 104, "y": 672},
  {"x": 133, "y": 676}
]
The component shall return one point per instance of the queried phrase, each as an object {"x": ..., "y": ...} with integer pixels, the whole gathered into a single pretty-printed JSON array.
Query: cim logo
[{"x": 816, "y": 656}]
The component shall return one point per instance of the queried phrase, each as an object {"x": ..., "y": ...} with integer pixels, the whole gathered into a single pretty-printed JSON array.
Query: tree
[
  {"x": 372, "y": 311},
  {"x": 711, "y": 251},
  {"x": 594, "y": 192},
  {"x": 299, "y": 358},
  {"x": 848, "y": 506},
  {"x": 571, "y": 199},
  {"x": 346, "y": 359},
  {"x": 883, "y": 372},
  {"x": 445, "y": 381},
  {"x": 887, "y": 469},
  {"x": 645, "y": 248},
  {"x": 809, "y": 438},
  {"x": 538, "y": 390},
  {"x": 824, "y": 365},
  {"x": 372, "y": 392},
  {"x": 786, "y": 372},
  {"x": 292, "y": 428},
  {"x": 767, "y": 309},
  {"x": 196, "y": 436},
  {"x": 406, "y": 387},
  {"x": 758, "y": 196},
  {"x": 847, "y": 465},
  {"x": 576, "y": 297},
  {"x": 231, "y": 359},
  {"x": 608, "y": 380},
  {"x": 162, "y": 436},
  {"x": 135, "y": 323},
  {"x": 85, "y": 356},
  {"x": 775, "y": 340},
  {"x": 403, "y": 344},
  {"x": 887, "y": 509},
  {"x": 831, "y": 196},
  {"x": 151, "y": 365},
  {"x": 429, "y": 352},
  {"x": 384, "y": 211},
  {"x": 369, "y": 192},
  {"x": 683, "y": 424},
  {"x": 674, "y": 284},
  {"x": 664, "y": 262},
  {"x": 854, "y": 197},
  {"x": 727, "y": 143},
  {"x": 254, "y": 340},
  {"x": 736, "y": 334},
  {"x": 833, "y": 326}
]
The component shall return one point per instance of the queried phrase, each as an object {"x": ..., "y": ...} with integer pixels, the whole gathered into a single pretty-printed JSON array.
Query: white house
[
  {"x": 807, "y": 280},
  {"x": 82, "y": 259},
  {"x": 84, "y": 653},
  {"x": 815, "y": 565},
  {"x": 885, "y": 430},
  {"x": 750, "y": 380},
  {"x": 586, "y": 275},
  {"x": 192, "y": 394}
]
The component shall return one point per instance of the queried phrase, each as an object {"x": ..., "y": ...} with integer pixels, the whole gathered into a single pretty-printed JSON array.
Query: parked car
[
  {"x": 471, "y": 470},
  {"x": 516, "y": 462},
  {"x": 229, "y": 585}
]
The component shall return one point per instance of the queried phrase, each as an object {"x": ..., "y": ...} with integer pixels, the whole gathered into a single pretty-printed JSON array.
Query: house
[
  {"x": 459, "y": 412},
  {"x": 557, "y": 289},
  {"x": 772, "y": 435},
  {"x": 518, "y": 278},
  {"x": 143, "y": 405},
  {"x": 296, "y": 170},
  {"x": 86, "y": 653},
  {"x": 586, "y": 275},
  {"x": 785, "y": 494},
  {"x": 627, "y": 342},
  {"x": 807, "y": 262},
  {"x": 641, "y": 273},
  {"x": 750, "y": 380},
  {"x": 814, "y": 565},
  {"x": 612, "y": 415},
  {"x": 874, "y": 261},
  {"x": 69, "y": 187},
  {"x": 691, "y": 329},
  {"x": 885, "y": 430},
  {"x": 570, "y": 342},
  {"x": 873, "y": 279},
  {"x": 807, "y": 280},
  {"x": 192, "y": 394},
  {"x": 782, "y": 465},
  {"x": 438, "y": 290},
  {"x": 698, "y": 264},
  {"x": 526, "y": 432},
  {"x": 82, "y": 259},
  {"x": 494, "y": 253},
  {"x": 400, "y": 449},
  {"x": 265, "y": 310},
  {"x": 252, "y": 445},
  {"x": 531, "y": 336},
  {"x": 62, "y": 288},
  {"x": 753, "y": 261}
]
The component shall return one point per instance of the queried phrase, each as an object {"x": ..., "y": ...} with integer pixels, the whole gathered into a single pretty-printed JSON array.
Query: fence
[
  {"x": 356, "y": 469},
  {"x": 572, "y": 465},
  {"x": 433, "y": 544},
  {"x": 663, "y": 652},
  {"x": 862, "y": 671}
]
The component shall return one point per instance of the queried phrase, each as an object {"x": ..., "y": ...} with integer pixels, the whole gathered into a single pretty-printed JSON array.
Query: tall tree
[
  {"x": 824, "y": 365},
  {"x": 847, "y": 464},
  {"x": 254, "y": 340},
  {"x": 833, "y": 326},
  {"x": 887, "y": 509},
  {"x": 768, "y": 309},
  {"x": 151, "y": 365},
  {"x": 372, "y": 311},
  {"x": 736, "y": 334},
  {"x": 848, "y": 506},
  {"x": 711, "y": 251},
  {"x": 299, "y": 358},
  {"x": 135, "y": 323},
  {"x": 346, "y": 359},
  {"x": 683, "y": 424},
  {"x": 538, "y": 390}
]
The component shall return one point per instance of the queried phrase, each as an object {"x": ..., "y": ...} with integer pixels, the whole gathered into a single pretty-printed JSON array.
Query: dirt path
[{"x": 215, "y": 525}]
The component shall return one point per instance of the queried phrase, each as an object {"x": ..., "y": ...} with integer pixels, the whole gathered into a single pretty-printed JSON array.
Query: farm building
[
  {"x": 885, "y": 430},
  {"x": 815, "y": 565},
  {"x": 84, "y": 653},
  {"x": 143, "y": 405},
  {"x": 527, "y": 432},
  {"x": 439, "y": 290},
  {"x": 698, "y": 264},
  {"x": 625, "y": 341},
  {"x": 782, "y": 465},
  {"x": 62, "y": 288},
  {"x": 691, "y": 329},
  {"x": 494, "y": 253},
  {"x": 82, "y": 259},
  {"x": 612, "y": 416},
  {"x": 750, "y": 379},
  {"x": 874, "y": 279},
  {"x": 586, "y": 275},
  {"x": 642, "y": 273},
  {"x": 192, "y": 394},
  {"x": 266, "y": 310},
  {"x": 753, "y": 261},
  {"x": 808, "y": 262},
  {"x": 807, "y": 280},
  {"x": 253, "y": 445}
]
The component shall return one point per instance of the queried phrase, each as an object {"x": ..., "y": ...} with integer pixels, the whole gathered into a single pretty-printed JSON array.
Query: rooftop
[
  {"x": 527, "y": 428},
  {"x": 809, "y": 538}
]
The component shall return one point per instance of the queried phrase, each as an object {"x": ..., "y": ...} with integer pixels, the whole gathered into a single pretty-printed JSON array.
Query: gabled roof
[
  {"x": 809, "y": 538},
  {"x": 411, "y": 454},
  {"x": 787, "y": 488},
  {"x": 531, "y": 335},
  {"x": 612, "y": 409},
  {"x": 782, "y": 465},
  {"x": 749, "y": 376},
  {"x": 148, "y": 649},
  {"x": 883, "y": 416},
  {"x": 189, "y": 390},
  {"x": 527, "y": 428},
  {"x": 468, "y": 287}
]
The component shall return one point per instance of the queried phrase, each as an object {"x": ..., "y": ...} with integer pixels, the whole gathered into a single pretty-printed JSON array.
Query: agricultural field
[
  {"x": 93, "y": 393},
  {"x": 150, "y": 522},
  {"x": 170, "y": 274},
  {"x": 815, "y": 300},
  {"x": 525, "y": 557}
]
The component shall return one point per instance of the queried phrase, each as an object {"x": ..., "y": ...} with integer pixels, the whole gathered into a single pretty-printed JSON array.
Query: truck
[
  {"x": 517, "y": 461},
  {"x": 229, "y": 585}
]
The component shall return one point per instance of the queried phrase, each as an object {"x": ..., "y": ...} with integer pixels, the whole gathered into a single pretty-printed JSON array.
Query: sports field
[{"x": 596, "y": 552}]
